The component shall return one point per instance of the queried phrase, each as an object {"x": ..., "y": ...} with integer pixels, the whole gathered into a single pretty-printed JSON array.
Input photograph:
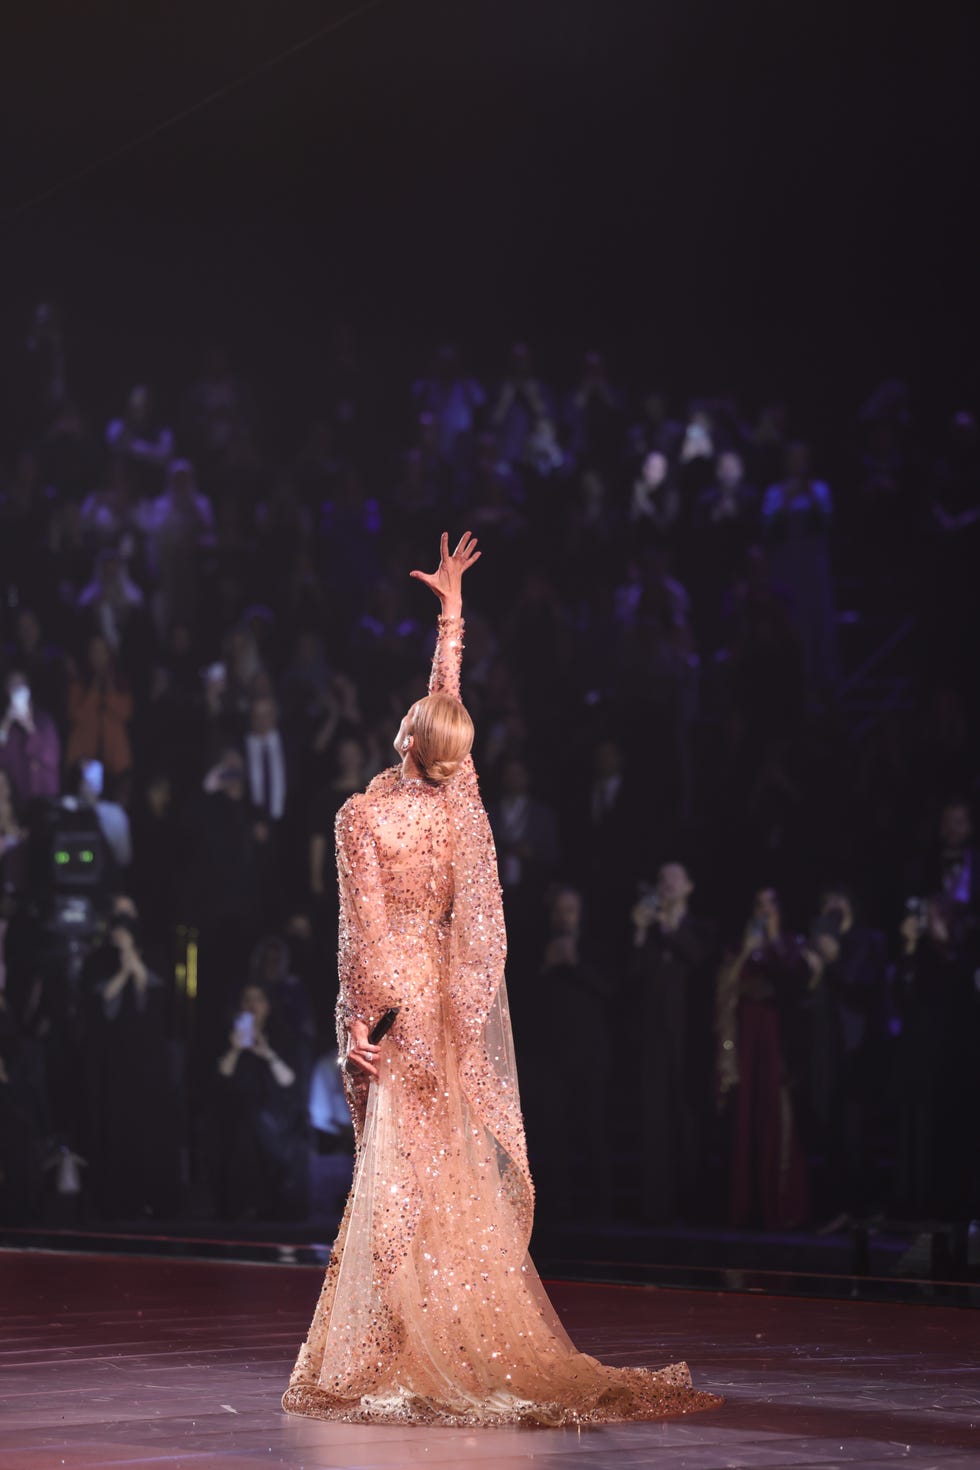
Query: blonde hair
[{"x": 443, "y": 735}]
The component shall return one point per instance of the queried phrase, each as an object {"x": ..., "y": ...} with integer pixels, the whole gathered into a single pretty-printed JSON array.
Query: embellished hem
[{"x": 669, "y": 1395}]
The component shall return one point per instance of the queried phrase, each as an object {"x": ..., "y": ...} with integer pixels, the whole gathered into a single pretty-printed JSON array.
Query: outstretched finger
[
  {"x": 444, "y": 546},
  {"x": 463, "y": 547}
]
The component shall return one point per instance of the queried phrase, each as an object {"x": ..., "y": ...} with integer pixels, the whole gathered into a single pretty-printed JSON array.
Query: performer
[{"x": 431, "y": 1311}]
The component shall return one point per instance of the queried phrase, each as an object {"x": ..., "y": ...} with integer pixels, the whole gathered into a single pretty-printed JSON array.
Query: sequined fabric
[{"x": 431, "y": 1311}]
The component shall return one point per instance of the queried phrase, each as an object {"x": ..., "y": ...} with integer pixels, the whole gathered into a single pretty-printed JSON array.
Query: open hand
[{"x": 446, "y": 581}]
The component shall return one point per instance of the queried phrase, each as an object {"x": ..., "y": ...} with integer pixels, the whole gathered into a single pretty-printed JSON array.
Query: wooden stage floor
[{"x": 113, "y": 1362}]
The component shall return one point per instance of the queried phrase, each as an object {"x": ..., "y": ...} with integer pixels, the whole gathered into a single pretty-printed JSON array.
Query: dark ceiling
[{"x": 770, "y": 195}]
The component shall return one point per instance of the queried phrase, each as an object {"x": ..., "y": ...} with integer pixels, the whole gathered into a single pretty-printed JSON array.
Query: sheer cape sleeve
[{"x": 479, "y": 1014}]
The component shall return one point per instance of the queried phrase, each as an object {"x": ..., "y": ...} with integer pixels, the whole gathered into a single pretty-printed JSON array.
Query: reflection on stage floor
[{"x": 134, "y": 1361}]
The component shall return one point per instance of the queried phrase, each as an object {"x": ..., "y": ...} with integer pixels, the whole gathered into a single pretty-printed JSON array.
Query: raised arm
[
  {"x": 448, "y": 658},
  {"x": 447, "y": 584}
]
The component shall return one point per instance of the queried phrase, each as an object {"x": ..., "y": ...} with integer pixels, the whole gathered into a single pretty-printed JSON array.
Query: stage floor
[{"x": 134, "y": 1361}]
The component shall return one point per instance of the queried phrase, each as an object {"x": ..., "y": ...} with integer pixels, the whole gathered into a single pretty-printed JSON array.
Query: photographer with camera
[
  {"x": 669, "y": 1003},
  {"x": 133, "y": 1077},
  {"x": 222, "y": 892},
  {"x": 848, "y": 1067}
]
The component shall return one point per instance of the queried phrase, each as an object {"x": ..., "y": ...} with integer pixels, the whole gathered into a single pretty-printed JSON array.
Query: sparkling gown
[{"x": 431, "y": 1311}]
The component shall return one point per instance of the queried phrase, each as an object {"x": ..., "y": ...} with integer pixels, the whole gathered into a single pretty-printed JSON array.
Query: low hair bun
[{"x": 440, "y": 771}]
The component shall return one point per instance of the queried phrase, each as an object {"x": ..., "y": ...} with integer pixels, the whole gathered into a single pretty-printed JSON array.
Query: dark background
[{"x": 761, "y": 198}]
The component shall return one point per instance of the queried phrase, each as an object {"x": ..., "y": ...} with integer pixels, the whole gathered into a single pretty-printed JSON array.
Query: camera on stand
[{"x": 68, "y": 882}]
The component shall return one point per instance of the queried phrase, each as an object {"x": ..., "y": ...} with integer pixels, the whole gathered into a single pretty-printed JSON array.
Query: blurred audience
[{"x": 194, "y": 680}]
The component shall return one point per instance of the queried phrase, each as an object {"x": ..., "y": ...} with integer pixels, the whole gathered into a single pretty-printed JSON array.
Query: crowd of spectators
[{"x": 743, "y": 906}]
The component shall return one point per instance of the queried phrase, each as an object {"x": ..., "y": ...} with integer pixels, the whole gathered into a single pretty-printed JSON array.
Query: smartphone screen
[{"x": 245, "y": 1028}]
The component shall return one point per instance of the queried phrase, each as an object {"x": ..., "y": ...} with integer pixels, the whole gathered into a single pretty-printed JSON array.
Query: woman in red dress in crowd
[{"x": 760, "y": 996}]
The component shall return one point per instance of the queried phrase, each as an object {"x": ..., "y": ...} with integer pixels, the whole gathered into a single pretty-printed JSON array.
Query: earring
[{"x": 404, "y": 745}]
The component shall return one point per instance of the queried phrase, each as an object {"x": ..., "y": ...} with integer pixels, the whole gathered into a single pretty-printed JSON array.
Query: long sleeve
[
  {"x": 368, "y": 984},
  {"x": 447, "y": 660}
]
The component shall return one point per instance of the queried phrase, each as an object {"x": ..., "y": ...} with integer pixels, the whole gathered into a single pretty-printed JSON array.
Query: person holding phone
[
  {"x": 133, "y": 1098},
  {"x": 261, "y": 1157},
  {"x": 248, "y": 1034},
  {"x": 431, "y": 1311},
  {"x": 30, "y": 751}
]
